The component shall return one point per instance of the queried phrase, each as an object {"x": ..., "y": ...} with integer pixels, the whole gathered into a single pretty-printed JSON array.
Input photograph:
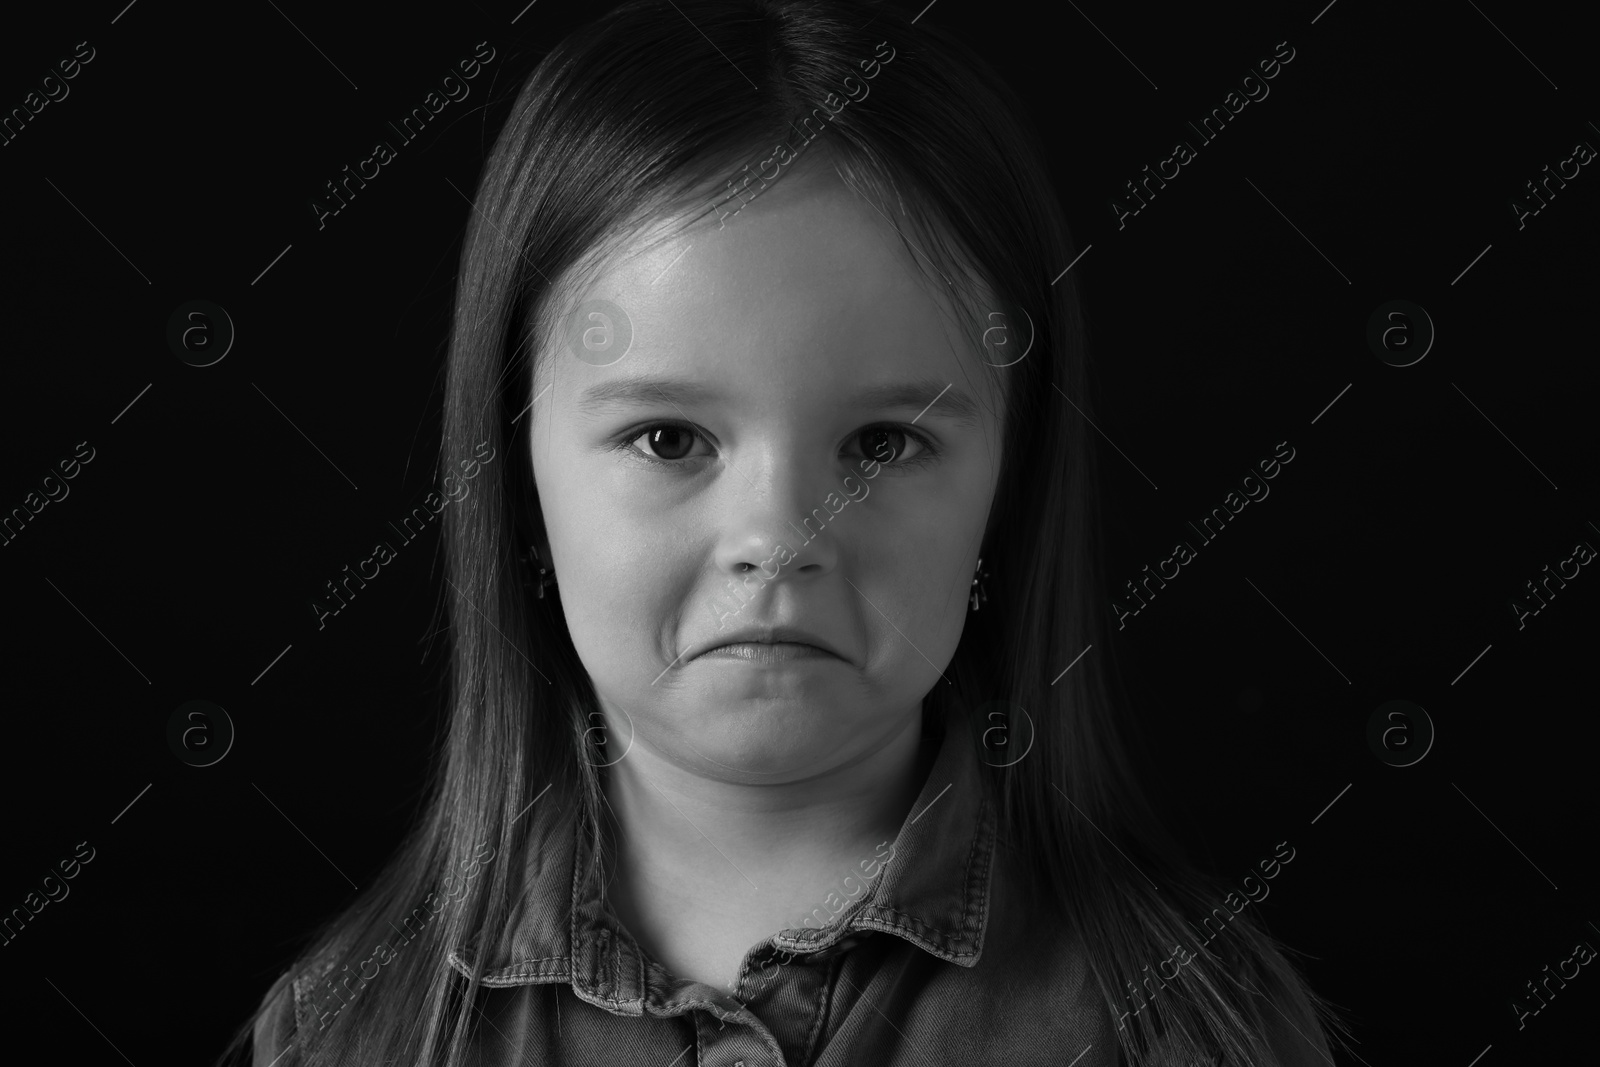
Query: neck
[{"x": 701, "y": 857}]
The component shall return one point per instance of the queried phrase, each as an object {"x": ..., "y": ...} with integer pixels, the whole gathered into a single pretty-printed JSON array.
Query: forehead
[{"x": 806, "y": 287}]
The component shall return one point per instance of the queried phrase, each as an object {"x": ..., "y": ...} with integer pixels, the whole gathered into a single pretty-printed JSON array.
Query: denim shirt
[{"x": 938, "y": 960}]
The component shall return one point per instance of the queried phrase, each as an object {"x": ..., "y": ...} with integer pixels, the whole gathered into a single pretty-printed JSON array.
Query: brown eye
[
  {"x": 885, "y": 443},
  {"x": 668, "y": 442}
]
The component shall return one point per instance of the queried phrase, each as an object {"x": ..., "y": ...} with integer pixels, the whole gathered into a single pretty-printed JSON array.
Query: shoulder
[
  {"x": 287, "y": 1012},
  {"x": 275, "y": 1022},
  {"x": 1035, "y": 970}
]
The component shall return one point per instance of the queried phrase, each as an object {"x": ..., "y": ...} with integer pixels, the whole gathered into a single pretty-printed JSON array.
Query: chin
[{"x": 768, "y": 743}]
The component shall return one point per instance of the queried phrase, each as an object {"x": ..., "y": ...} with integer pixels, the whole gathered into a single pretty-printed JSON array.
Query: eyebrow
[{"x": 923, "y": 394}]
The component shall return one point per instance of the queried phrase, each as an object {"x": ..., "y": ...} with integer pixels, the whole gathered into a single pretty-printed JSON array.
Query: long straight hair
[{"x": 631, "y": 118}]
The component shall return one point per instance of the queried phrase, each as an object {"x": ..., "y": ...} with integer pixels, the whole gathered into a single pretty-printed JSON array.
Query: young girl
[{"x": 763, "y": 748}]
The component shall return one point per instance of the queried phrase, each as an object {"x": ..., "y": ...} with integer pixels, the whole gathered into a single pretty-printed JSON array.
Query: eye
[
  {"x": 665, "y": 441},
  {"x": 671, "y": 443},
  {"x": 887, "y": 444}
]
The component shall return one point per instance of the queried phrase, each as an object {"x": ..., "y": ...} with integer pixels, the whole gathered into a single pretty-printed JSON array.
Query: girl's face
[{"x": 788, "y": 377}]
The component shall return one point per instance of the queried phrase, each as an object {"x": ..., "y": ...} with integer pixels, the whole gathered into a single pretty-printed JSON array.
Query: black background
[{"x": 1225, "y": 317}]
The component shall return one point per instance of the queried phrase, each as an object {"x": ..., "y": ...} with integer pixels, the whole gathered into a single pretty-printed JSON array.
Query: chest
[{"x": 883, "y": 1002}]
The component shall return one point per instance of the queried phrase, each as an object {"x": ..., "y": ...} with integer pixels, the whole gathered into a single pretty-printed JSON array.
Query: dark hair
[{"x": 634, "y": 117}]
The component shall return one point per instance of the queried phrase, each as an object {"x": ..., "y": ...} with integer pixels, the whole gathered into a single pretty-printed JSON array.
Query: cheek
[
  {"x": 613, "y": 568},
  {"x": 914, "y": 586},
  {"x": 914, "y": 559}
]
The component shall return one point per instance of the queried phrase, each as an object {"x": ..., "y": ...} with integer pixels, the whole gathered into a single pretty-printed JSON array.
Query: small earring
[
  {"x": 535, "y": 575},
  {"x": 980, "y": 591}
]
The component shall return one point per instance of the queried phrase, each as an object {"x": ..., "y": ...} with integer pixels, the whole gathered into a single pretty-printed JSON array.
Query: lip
[
  {"x": 769, "y": 644},
  {"x": 766, "y": 655}
]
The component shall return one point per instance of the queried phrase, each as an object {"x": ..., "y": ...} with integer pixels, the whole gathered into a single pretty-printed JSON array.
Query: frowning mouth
[
  {"x": 769, "y": 643},
  {"x": 767, "y": 652}
]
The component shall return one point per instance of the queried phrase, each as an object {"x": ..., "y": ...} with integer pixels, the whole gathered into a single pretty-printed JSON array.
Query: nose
[{"x": 775, "y": 523}]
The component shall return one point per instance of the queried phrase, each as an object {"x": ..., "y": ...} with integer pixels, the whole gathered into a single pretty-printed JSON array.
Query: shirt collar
[{"x": 933, "y": 892}]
